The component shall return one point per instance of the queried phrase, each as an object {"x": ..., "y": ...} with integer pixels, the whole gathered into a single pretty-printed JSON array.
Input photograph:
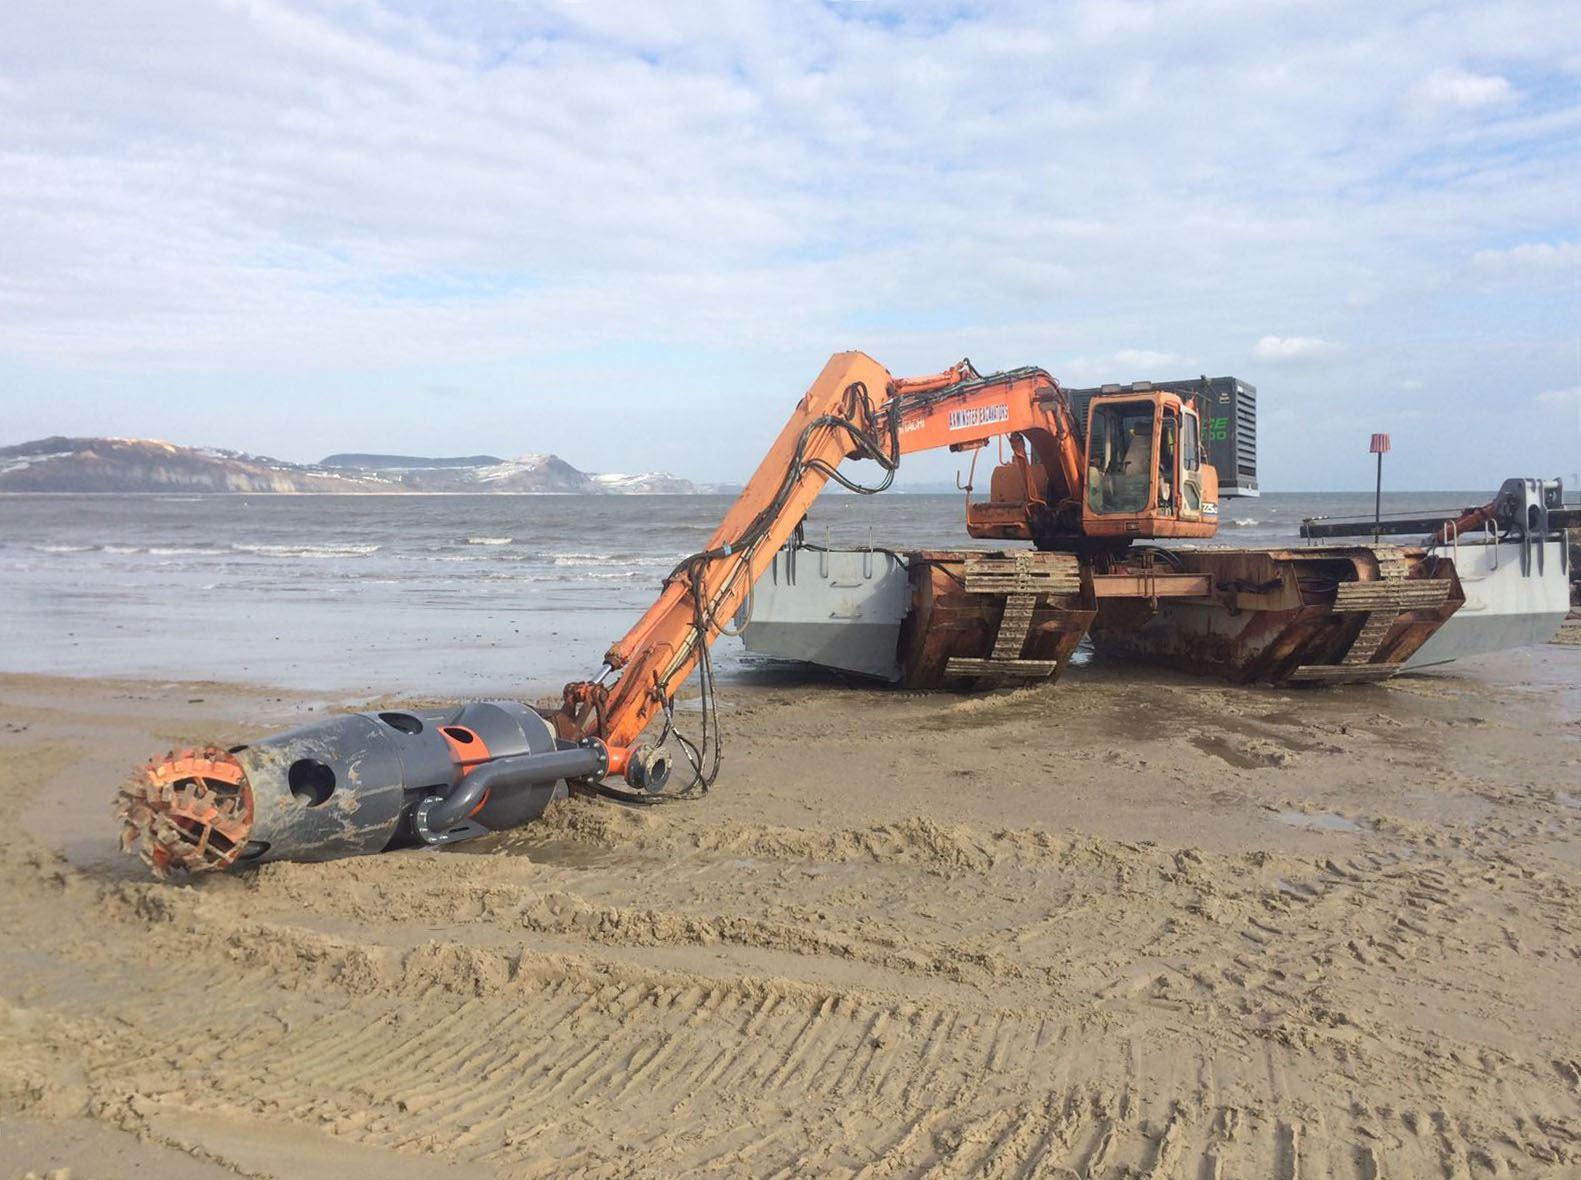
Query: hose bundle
[{"x": 869, "y": 438}]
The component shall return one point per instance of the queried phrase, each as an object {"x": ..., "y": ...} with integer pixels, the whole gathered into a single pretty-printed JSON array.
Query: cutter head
[{"x": 191, "y": 810}]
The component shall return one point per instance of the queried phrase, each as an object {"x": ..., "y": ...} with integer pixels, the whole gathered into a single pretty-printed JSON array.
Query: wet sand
[{"x": 1129, "y": 925}]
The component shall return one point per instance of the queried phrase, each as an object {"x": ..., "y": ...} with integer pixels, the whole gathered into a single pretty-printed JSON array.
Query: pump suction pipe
[
  {"x": 438, "y": 816},
  {"x": 440, "y": 819}
]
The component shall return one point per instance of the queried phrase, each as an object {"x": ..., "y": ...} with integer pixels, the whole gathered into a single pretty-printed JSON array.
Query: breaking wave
[
  {"x": 624, "y": 559},
  {"x": 305, "y": 550}
]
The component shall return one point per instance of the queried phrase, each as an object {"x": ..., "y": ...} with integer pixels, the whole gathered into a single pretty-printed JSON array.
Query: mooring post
[{"x": 1380, "y": 446}]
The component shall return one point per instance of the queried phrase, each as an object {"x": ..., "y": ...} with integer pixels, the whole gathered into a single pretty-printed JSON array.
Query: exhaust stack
[{"x": 360, "y": 783}]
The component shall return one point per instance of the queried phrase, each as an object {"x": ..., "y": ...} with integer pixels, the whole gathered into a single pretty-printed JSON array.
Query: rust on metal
[
  {"x": 1151, "y": 585},
  {"x": 984, "y": 618},
  {"x": 1338, "y": 614},
  {"x": 190, "y": 810}
]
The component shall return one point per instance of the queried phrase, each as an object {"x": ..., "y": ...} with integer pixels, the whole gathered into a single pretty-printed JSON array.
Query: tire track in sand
[{"x": 458, "y": 1036}]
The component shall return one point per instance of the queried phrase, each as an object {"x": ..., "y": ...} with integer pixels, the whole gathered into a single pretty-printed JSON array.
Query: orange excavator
[
  {"x": 1135, "y": 473},
  {"x": 364, "y": 782}
]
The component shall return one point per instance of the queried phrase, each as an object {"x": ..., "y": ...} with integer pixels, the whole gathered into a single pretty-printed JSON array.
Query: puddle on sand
[
  {"x": 1324, "y": 821},
  {"x": 1242, "y": 759},
  {"x": 1568, "y": 799}
]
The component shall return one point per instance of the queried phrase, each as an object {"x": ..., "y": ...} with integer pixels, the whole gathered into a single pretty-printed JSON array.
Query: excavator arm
[
  {"x": 839, "y": 415},
  {"x": 855, "y": 409}
]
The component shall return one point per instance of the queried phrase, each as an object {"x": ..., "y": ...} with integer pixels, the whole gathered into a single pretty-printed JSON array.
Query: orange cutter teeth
[{"x": 191, "y": 810}]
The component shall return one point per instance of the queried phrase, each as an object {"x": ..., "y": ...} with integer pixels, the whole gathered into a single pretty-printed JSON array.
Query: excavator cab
[
  {"x": 1143, "y": 476},
  {"x": 1146, "y": 477}
]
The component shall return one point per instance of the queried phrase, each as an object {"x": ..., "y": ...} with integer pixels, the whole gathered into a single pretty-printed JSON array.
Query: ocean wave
[
  {"x": 1249, "y": 522},
  {"x": 500, "y": 576},
  {"x": 306, "y": 550},
  {"x": 489, "y": 540},
  {"x": 575, "y": 579},
  {"x": 627, "y": 559},
  {"x": 126, "y": 550},
  {"x": 590, "y": 558}
]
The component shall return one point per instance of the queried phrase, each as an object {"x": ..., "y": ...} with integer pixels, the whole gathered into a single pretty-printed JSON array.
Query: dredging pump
[{"x": 365, "y": 782}]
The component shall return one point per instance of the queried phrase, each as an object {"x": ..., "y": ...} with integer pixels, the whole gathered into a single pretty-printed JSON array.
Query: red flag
[{"x": 1380, "y": 445}]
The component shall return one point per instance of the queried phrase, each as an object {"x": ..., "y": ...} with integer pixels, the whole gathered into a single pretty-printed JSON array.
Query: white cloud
[
  {"x": 1153, "y": 363},
  {"x": 1529, "y": 257},
  {"x": 1557, "y": 404},
  {"x": 1454, "y": 89},
  {"x": 1292, "y": 348},
  {"x": 619, "y": 194}
]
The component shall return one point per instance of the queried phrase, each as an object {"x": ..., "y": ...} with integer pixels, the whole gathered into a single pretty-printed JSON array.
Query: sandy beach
[{"x": 1129, "y": 925}]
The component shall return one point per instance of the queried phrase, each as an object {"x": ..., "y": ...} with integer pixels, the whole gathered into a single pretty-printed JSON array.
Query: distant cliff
[
  {"x": 405, "y": 462},
  {"x": 486, "y": 473},
  {"x": 144, "y": 465},
  {"x": 126, "y": 465}
]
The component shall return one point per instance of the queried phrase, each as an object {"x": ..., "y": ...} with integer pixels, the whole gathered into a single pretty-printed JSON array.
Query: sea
[{"x": 432, "y": 596}]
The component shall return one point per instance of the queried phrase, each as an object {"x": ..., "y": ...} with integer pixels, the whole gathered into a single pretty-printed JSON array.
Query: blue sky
[{"x": 631, "y": 233}]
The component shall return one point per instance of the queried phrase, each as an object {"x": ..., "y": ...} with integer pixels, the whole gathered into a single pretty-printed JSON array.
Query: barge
[{"x": 1305, "y": 613}]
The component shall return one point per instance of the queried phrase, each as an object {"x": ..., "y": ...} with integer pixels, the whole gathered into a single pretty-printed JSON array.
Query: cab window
[
  {"x": 1190, "y": 446},
  {"x": 1120, "y": 457},
  {"x": 1167, "y": 440}
]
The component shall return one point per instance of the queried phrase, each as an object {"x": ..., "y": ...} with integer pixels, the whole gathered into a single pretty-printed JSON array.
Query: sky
[{"x": 632, "y": 233}]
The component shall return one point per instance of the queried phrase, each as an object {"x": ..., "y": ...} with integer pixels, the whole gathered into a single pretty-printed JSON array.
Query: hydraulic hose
[{"x": 437, "y": 815}]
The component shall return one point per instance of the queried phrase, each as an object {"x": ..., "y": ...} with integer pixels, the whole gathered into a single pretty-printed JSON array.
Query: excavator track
[
  {"x": 1320, "y": 615},
  {"x": 1024, "y": 582},
  {"x": 980, "y": 619}
]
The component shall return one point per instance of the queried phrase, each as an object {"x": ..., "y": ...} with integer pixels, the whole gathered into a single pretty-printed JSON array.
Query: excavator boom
[
  {"x": 971, "y": 409},
  {"x": 838, "y": 415}
]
